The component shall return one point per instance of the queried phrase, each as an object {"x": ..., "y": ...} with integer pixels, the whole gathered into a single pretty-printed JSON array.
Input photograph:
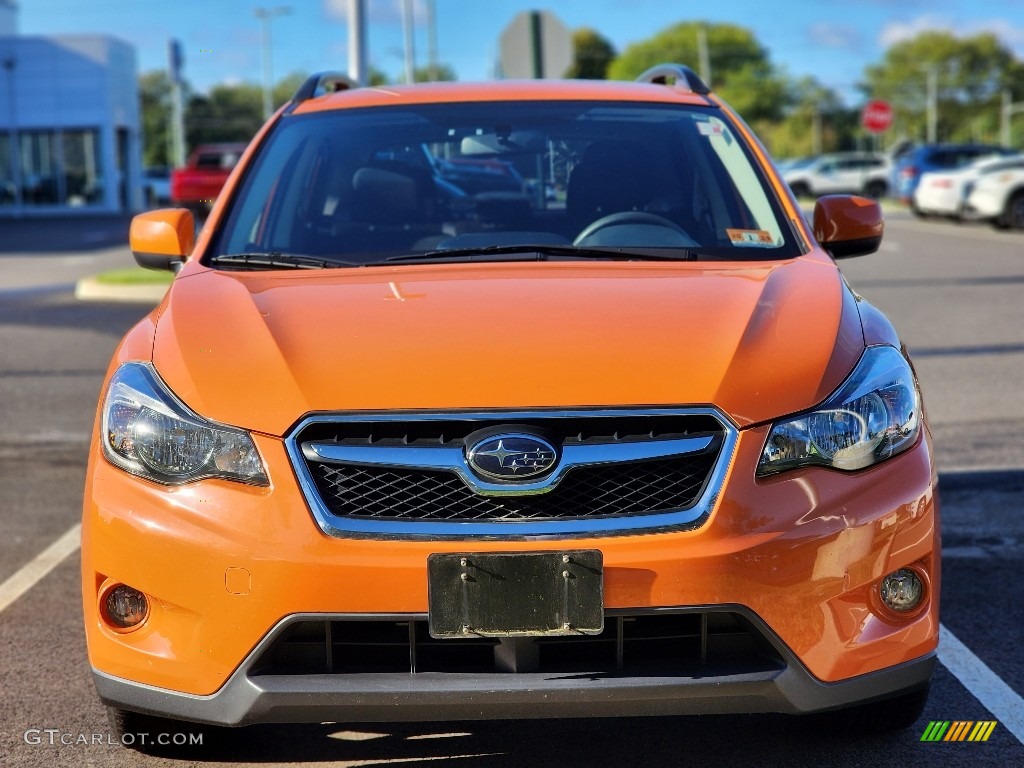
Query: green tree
[
  {"x": 286, "y": 87},
  {"x": 741, "y": 70},
  {"x": 226, "y": 113},
  {"x": 592, "y": 55},
  {"x": 155, "y": 109},
  {"x": 815, "y": 122},
  {"x": 441, "y": 73},
  {"x": 969, "y": 73}
]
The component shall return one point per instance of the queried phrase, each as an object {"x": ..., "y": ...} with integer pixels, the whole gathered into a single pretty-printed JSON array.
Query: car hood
[{"x": 260, "y": 350}]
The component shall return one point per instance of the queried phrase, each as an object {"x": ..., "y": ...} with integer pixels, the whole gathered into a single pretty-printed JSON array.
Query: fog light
[
  {"x": 125, "y": 607},
  {"x": 901, "y": 590}
]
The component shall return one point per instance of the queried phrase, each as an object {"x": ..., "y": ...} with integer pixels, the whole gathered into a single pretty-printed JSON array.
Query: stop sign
[{"x": 876, "y": 116}]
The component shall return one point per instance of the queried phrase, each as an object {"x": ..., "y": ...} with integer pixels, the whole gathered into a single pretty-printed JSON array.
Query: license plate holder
[{"x": 510, "y": 594}]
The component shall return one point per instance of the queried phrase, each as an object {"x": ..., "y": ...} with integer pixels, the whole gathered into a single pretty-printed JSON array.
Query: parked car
[
  {"x": 944, "y": 193},
  {"x": 841, "y": 172},
  {"x": 794, "y": 163},
  {"x": 937, "y": 157},
  {"x": 998, "y": 197},
  {"x": 380, "y": 456},
  {"x": 197, "y": 185},
  {"x": 156, "y": 185}
]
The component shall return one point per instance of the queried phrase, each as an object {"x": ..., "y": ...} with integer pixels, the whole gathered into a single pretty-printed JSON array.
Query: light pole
[
  {"x": 15, "y": 156},
  {"x": 357, "y": 41},
  {"x": 1007, "y": 111},
  {"x": 265, "y": 15},
  {"x": 408, "y": 29},
  {"x": 932, "y": 108}
]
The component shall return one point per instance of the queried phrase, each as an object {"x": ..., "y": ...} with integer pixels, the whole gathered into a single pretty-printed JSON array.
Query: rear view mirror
[
  {"x": 162, "y": 239},
  {"x": 503, "y": 143},
  {"x": 847, "y": 225}
]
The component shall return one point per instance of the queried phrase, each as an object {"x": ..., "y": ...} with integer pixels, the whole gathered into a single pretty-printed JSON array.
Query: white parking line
[
  {"x": 37, "y": 568},
  {"x": 983, "y": 684}
]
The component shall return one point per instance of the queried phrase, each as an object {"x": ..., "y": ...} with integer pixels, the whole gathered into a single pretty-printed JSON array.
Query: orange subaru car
[{"x": 617, "y": 439}]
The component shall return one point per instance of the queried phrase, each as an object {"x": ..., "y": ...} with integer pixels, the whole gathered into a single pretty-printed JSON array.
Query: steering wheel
[{"x": 625, "y": 218}]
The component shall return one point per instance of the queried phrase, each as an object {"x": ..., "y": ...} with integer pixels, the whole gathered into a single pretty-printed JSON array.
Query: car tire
[
  {"x": 917, "y": 211},
  {"x": 1013, "y": 216},
  {"x": 800, "y": 189},
  {"x": 883, "y": 716},
  {"x": 876, "y": 190},
  {"x": 134, "y": 730}
]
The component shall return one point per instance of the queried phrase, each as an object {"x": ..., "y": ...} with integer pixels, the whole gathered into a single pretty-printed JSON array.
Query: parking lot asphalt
[
  {"x": 70, "y": 250},
  {"x": 64, "y": 234}
]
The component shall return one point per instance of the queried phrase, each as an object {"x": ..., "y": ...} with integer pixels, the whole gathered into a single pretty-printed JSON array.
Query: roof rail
[
  {"x": 682, "y": 76},
  {"x": 321, "y": 83}
]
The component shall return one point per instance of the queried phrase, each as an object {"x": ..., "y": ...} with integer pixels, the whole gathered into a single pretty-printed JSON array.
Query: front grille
[
  {"x": 698, "y": 643},
  {"x": 607, "y": 491},
  {"x": 379, "y": 491}
]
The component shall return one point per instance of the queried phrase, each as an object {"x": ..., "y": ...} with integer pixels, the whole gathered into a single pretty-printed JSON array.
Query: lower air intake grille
[{"x": 709, "y": 643}]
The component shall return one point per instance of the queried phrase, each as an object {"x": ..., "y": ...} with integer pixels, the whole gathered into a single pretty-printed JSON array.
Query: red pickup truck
[{"x": 197, "y": 185}]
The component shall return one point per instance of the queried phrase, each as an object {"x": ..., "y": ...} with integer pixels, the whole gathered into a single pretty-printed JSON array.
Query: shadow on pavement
[
  {"x": 1008, "y": 481},
  {"x": 72, "y": 234}
]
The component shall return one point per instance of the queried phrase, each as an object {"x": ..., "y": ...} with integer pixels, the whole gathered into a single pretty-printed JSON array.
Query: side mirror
[
  {"x": 847, "y": 225},
  {"x": 162, "y": 239}
]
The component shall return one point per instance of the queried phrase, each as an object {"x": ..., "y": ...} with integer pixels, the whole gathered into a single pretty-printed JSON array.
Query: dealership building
[{"x": 70, "y": 138}]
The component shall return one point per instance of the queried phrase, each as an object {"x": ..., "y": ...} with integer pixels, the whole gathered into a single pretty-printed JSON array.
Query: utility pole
[
  {"x": 816, "y": 131},
  {"x": 408, "y": 30},
  {"x": 432, "y": 41},
  {"x": 265, "y": 15},
  {"x": 933, "y": 103},
  {"x": 1007, "y": 112},
  {"x": 357, "y": 41},
  {"x": 704, "y": 61},
  {"x": 176, "y": 62},
  {"x": 10, "y": 64}
]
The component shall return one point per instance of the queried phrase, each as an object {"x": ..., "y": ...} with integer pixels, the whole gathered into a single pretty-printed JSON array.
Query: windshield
[{"x": 361, "y": 186}]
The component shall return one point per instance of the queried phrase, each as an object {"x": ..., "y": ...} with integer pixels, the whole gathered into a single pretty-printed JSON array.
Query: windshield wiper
[
  {"x": 278, "y": 260},
  {"x": 543, "y": 252}
]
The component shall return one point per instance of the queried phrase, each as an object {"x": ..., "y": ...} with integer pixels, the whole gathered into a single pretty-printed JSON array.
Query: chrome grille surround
[{"x": 449, "y": 456}]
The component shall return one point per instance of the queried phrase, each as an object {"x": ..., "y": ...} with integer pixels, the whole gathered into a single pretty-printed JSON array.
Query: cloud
[
  {"x": 1010, "y": 34},
  {"x": 830, "y": 35},
  {"x": 378, "y": 11},
  {"x": 898, "y": 31}
]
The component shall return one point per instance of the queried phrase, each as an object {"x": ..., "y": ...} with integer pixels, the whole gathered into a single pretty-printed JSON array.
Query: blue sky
[{"x": 830, "y": 39}]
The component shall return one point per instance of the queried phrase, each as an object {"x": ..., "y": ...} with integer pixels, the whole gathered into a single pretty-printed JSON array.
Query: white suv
[
  {"x": 843, "y": 172},
  {"x": 999, "y": 198},
  {"x": 944, "y": 193}
]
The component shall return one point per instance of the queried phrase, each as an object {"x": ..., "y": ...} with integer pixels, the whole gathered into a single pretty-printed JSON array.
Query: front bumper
[
  {"x": 799, "y": 554},
  {"x": 249, "y": 698}
]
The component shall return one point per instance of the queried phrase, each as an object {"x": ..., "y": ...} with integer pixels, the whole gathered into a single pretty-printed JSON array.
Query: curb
[{"x": 90, "y": 289}]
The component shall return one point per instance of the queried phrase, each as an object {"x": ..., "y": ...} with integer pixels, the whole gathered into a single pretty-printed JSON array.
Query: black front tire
[
  {"x": 876, "y": 190},
  {"x": 883, "y": 716},
  {"x": 800, "y": 189},
  {"x": 1013, "y": 216},
  {"x": 149, "y": 734}
]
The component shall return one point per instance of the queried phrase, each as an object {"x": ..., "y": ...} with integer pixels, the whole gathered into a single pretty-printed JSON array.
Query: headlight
[
  {"x": 874, "y": 415},
  {"x": 149, "y": 432}
]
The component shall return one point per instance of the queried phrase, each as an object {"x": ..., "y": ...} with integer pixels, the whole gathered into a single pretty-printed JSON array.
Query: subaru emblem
[{"x": 514, "y": 456}]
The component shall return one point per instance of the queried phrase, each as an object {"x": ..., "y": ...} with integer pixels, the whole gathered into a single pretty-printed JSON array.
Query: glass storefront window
[
  {"x": 60, "y": 167},
  {"x": 82, "y": 182},
  {"x": 38, "y": 154},
  {"x": 7, "y": 188}
]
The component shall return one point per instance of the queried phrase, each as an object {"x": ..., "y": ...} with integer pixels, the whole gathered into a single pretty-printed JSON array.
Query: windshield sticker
[
  {"x": 707, "y": 128},
  {"x": 751, "y": 238},
  {"x": 715, "y": 128}
]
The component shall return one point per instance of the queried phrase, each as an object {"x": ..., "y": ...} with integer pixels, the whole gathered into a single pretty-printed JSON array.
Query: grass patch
[{"x": 135, "y": 276}]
